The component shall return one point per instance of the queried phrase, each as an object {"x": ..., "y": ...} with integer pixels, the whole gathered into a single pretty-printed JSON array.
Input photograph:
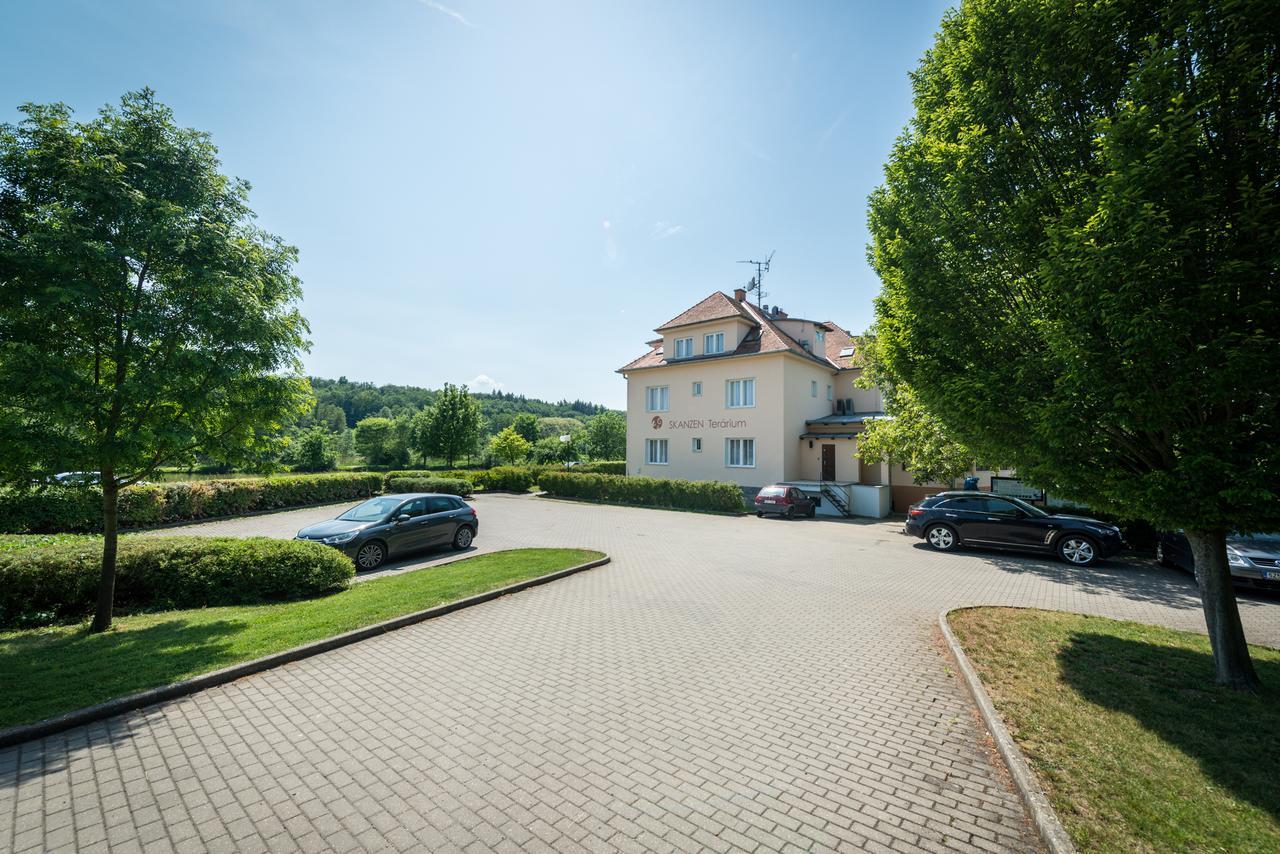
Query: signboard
[{"x": 699, "y": 423}]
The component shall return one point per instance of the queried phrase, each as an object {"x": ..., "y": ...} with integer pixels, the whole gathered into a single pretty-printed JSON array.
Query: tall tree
[
  {"x": 143, "y": 316},
  {"x": 605, "y": 436},
  {"x": 526, "y": 424},
  {"x": 449, "y": 428},
  {"x": 1077, "y": 240},
  {"x": 375, "y": 440},
  {"x": 509, "y": 447}
]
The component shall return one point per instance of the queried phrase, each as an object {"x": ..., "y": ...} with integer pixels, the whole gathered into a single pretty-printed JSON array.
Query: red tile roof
[
  {"x": 713, "y": 307},
  {"x": 766, "y": 337}
]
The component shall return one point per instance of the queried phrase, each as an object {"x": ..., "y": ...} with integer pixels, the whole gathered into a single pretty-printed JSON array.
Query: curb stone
[
  {"x": 1037, "y": 803},
  {"x": 77, "y": 717}
]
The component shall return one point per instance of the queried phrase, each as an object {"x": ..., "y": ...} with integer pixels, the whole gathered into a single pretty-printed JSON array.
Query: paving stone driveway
[{"x": 724, "y": 684}]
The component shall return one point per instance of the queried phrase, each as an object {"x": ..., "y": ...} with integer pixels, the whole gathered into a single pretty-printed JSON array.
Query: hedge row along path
[{"x": 726, "y": 683}]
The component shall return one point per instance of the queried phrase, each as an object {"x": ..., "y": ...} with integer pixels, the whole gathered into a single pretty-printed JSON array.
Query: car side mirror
[{"x": 403, "y": 517}]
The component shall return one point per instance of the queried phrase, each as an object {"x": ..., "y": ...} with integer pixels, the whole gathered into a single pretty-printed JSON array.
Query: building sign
[
  {"x": 657, "y": 422},
  {"x": 702, "y": 423}
]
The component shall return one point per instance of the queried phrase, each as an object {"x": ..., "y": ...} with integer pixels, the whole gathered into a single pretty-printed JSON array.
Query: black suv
[
  {"x": 951, "y": 519},
  {"x": 392, "y": 525}
]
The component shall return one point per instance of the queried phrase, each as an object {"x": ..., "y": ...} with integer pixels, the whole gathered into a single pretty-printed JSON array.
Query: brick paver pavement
[{"x": 725, "y": 684}]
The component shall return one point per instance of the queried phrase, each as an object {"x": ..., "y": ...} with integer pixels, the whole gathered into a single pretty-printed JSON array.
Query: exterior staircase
[{"x": 833, "y": 495}]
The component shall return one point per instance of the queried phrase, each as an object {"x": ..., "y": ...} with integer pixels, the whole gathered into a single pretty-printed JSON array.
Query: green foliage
[
  {"x": 604, "y": 437},
  {"x": 449, "y": 428},
  {"x": 143, "y": 316},
  {"x": 556, "y": 427},
  {"x": 602, "y": 467},
  {"x": 58, "y": 582},
  {"x": 445, "y": 485},
  {"x": 57, "y": 509},
  {"x": 1077, "y": 243},
  {"x": 314, "y": 451},
  {"x": 526, "y": 424},
  {"x": 706, "y": 495},
  {"x": 508, "y": 478},
  {"x": 553, "y": 450},
  {"x": 509, "y": 447},
  {"x": 375, "y": 440},
  {"x": 1076, "y": 238}
]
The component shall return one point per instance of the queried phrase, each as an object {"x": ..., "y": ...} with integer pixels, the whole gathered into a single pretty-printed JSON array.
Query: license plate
[{"x": 1271, "y": 575}]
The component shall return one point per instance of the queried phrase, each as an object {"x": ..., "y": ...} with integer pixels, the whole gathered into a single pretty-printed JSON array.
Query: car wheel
[
  {"x": 813, "y": 511},
  {"x": 941, "y": 538},
  {"x": 462, "y": 538},
  {"x": 759, "y": 514},
  {"x": 371, "y": 555},
  {"x": 1078, "y": 550},
  {"x": 791, "y": 513}
]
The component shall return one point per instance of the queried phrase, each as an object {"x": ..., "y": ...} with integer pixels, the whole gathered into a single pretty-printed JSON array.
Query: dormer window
[
  {"x": 819, "y": 341},
  {"x": 684, "y": 348},
  {"x": 712, "y": 343}
]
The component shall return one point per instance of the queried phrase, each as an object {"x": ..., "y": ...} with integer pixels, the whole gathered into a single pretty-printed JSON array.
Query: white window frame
[
  {"x": 664, "y": 398},
  {"x": 697, "y": 388},
  {"x": 743, "y": 383},
  {"x": 829, "y": 392},
  {"x": 651, "y": 449},
  {"x": 713, "y": 343},
  {"x": 742, "y": 444},
  {"x": 684, "y": 348},
  {"x": 697, "y": 444},
  {"x": 813, "y": 388}
]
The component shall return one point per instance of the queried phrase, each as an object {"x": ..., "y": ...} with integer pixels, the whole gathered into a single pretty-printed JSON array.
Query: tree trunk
[
  {"x": 1231, "y": 661},
  {"x": 110, "y": 524}
]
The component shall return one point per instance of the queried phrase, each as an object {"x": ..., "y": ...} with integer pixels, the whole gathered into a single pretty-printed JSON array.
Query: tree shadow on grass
[
  {"x": 43, "y": 674},
  {"x": 1169, "y": 691}
]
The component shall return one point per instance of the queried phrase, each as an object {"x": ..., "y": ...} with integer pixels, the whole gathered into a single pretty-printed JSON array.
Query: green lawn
[
  {"x": 21, "y": 542},
  {"x": 1135, "y": 746},
  {"x": 44, "y": 672}
]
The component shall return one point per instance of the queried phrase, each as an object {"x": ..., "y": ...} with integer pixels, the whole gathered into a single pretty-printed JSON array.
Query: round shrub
[{"x": 59, "y": 582}]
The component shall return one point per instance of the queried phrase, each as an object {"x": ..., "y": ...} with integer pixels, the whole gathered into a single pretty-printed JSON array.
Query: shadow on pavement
[{"x": 1169, "y": 691}]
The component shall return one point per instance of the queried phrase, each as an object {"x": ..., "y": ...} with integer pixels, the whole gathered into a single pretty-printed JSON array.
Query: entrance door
[{"x": 828, "y": 462}]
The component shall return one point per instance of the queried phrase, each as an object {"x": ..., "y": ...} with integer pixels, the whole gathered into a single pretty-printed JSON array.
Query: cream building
[{"x": 748, "y": 394}]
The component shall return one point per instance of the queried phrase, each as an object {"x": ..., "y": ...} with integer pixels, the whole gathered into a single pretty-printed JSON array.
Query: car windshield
[
  {"x": 772, "y": 490},
  {"x": 371, "y": 510}
]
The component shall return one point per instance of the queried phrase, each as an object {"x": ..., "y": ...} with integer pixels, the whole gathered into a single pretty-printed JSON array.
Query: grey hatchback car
[{"x": 394, "y": 525}]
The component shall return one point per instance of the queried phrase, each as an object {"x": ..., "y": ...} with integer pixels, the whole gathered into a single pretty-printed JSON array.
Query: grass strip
[
  {"x": 44, "y": 672},
  {"x": 1135, "y": 746}
]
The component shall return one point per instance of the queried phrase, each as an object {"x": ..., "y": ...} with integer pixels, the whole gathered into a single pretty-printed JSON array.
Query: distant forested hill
[{"x": 358, "y": 400}]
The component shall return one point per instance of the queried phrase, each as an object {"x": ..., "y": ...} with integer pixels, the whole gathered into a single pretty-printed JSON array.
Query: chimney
[{"x": 740, "y": 294}]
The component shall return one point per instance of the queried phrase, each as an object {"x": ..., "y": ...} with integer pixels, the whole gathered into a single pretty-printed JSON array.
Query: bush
[
  {"x": 645, "y": 491},
  {"x": 602, "y": 467},
  {"x": 446, "y": 485},
  {"x": 428, "y": 474},
  {"x": 508, "y": 478},
  {"x": 79, "y": 508},
  {"x": 60, "y": 582}
]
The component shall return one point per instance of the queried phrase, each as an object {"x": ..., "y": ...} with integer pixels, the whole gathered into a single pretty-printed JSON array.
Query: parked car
[
  {"x": 785, "y": 501},
  {"x": 949, "y": 520},
  {"x": 1254, "y": 559},
  {"x": 394, "y": 525}
]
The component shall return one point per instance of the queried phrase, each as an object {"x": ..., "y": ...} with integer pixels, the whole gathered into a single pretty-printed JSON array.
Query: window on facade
[
  {"x": 656, "y": 398},
  {"x": 697, "y": 389},
  {"x": 813, "y": 388},
  {"x": 828, "y": 392},
  {"x": 819, "y": 341},
  {"x": 684, "y": 348},
  {"x": 740, "y": 453},
  {"x": 740, "y": 393},
  {"x": 697, "y": 445},
  {"x": 713, "y": 343},
  {"x": 655, "y": 452}
]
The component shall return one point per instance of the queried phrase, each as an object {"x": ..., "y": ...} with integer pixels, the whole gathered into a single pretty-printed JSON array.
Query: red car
[{"x": 785, "y": 501}]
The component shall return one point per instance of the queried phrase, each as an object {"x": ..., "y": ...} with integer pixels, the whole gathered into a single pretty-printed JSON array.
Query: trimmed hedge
[
  {"x": 602, "y": 467},
  {"x": 59, "y": 582},
  {"x": 645, "y": 491},
  {"x": 79, "y": 508},
  {"x": 509, "y": 478},
  {"x": 446, "y": 485},
  {"x": 429, "y": 474}
]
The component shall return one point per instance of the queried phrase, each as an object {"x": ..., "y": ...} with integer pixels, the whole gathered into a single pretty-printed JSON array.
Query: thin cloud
[
  {"x": 662, "y": 229},
  {"x": 826, "y": 134},
  {"x": 445, "y": 10}
]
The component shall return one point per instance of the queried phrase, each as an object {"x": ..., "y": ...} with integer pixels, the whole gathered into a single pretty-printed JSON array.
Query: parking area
[{"x": 726, "y": 683}]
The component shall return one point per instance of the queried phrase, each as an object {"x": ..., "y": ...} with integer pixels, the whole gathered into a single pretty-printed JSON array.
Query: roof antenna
[{"x": 757, "y": 283}]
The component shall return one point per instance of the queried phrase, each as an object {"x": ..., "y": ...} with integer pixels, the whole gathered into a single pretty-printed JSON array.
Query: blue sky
[{"x": 517, "y": 191}]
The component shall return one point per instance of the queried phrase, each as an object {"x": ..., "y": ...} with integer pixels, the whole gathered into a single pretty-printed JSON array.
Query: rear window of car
[
  {"x": 773, "y": 490},
  {"x": 975, "y": 504}
]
